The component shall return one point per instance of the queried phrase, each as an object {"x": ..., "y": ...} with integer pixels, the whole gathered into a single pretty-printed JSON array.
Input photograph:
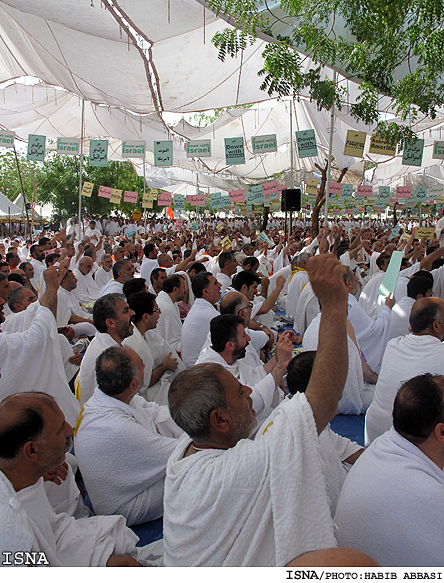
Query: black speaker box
[{"x": 291, "y": 199}]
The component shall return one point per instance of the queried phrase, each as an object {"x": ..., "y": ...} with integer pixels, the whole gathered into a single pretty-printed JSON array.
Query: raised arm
[
  {"x": 53, "y": 276},
  {"x": 331, "y": 364}
]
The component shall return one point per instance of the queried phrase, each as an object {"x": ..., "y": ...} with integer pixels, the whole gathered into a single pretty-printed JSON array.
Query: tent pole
[
  {"x": 145, "y": 213},
  {"x": 330, "y": 153},
  {"x": 23, "y": 191},
  {"x": 81, "y": 168},
  {"x": 290, "y": 226}
]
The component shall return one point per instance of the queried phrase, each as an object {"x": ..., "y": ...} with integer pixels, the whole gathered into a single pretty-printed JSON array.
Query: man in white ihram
[
  {"x": 406, "y": 356},
  {"x": 112, "y": 318},
  {"x": 231, "y": 501},
  {"x": 123, "y": 442},
  {"x": 392, "y": 501},
  {"x": 229, "y": 341},
  {"x": 34, "y": 437}
]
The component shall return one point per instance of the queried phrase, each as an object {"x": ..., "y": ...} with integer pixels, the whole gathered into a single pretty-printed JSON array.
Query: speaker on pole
[{"x": 291, "y": 200}]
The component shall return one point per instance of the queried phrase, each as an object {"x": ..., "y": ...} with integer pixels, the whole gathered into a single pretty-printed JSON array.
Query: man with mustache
[{"x": 34, "y": 438}]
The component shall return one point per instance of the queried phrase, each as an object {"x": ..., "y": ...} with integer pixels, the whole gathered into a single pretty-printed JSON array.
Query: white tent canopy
[
  {"x": 7, "y": 207},
  {"x": 134, "y": 60},
  {"x": 89, "y": 50}
]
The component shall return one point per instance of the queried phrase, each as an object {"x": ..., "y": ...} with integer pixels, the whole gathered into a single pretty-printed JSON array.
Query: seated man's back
[
  {"x": 123, "y": 442},
  {"x": 397, "y": 485}
]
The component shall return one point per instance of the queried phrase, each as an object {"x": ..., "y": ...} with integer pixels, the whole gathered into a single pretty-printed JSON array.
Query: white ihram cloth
[
  {"x": 169, "y": 325},
  {"x": 111, "y": 287},
  {"x": 102, "y": 277},
  {"x": 335, "y": 449},
  {"x": 191, "y": 297},
  {"x": 87, "y": 374},
  {"x": 372, "y": 335},
  {"x": 138, "y": 343},
  {"x": 356, "y": 395},
  {"x": 16, "y": 531},
  {"x": 66, "y": 542},
  {"x": 122, "y": 450},
  {"x": 284, "y": 272},
  {"x": 248, "y": 506},
  {"x": 159, "y": 348},
  {"x": 393, "y": 490},
  {"x": 195, "y": 329},
  {"x": 400, "y": 320},
  {"x": 439, "y": 231},
  {"x": 438, "y": 281},
  {"x": 372, "y": 301},
  {"x": 67, "y": 305},
  {"x": 39, "y": 268},
  {"x": 264, "y": 394},
  {"x": 369, "y": 297},
  {"x": 87, "y": 290},
  {"x": 297, "y": 283},
  {"x": 31, "y": 360},
  {"x": 20, "y": 321},
  {"x": 224, "y": 280},
  {"x": 147, "y": 267},
  {"x": 405, "y": 357},
  {"x": 306, "y": 310}
]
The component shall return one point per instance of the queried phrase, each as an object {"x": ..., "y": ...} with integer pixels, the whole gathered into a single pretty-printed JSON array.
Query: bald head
[
  {"x": 22, "y": 420},
  {"x": 165, "y": 260},
  {"x": 427, "y": 317},
  {"x": 237, "y": 304}
]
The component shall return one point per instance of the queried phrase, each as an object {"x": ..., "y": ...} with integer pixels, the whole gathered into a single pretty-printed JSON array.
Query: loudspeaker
[{"x": 291, "y": 199}]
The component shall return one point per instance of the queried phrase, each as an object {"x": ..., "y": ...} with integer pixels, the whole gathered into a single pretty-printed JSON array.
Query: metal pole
[
  {"x": 144, "y": 185},
  {"x": 81, "y": 169},
  {"x": 23, "y": 191},
  {"x": 292, "y": 165},
  {"x": 330, "y": 153}
]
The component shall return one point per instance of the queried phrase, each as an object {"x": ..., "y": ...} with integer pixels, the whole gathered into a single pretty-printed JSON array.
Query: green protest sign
[
  {"x": 98, "y": 153},
  {"x": 234, "y": 151},
  {"x": 163, "y": 153},
  {"x": 36, "y": 148},
  {"x": 264, "y": 144},
  {"x": 306, "y": 142}
]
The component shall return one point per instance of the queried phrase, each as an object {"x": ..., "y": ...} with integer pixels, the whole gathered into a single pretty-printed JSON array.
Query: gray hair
[
  {"x": 15, "y": 296},
  {"x": 193, "y": 395},
  {"x": 304, "y": 256}
]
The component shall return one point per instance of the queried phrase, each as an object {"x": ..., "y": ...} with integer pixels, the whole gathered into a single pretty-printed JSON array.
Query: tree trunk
[
  {"x": 320, "y": 199},
  {"x": 265, "y": 217}
]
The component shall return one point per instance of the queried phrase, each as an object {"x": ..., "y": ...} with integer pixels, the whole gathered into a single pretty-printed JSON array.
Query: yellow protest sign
[
  {"x": 354, "y": 144},
  {"x": 116, "y": 196},
  {"x": 424, "y": 233},
  {"x": 226, "y": 243},
  {"x": 379, "y": 146},
  {"x": 311, "y": 187},
  {"x": 149, "y": 197},
  {"x": 87, "y": 188},
  {"x": 147, "y": 204},
  {"x": 137, "y": 215}
]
